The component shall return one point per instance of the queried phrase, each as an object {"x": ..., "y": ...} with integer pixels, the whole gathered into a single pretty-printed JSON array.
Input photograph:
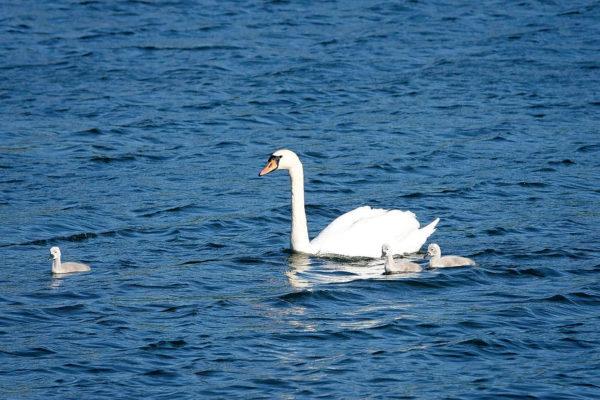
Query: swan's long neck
[
  {"x": 389, "y": 262},
  {"x": 299, "y": 239},
  {"x": 56, "y": 265}
]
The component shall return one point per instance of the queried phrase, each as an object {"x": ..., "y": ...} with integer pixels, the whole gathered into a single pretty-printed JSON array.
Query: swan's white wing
[
  {"x": 345, "y": 221},
  {"x": 362, "y": 232},
  {"x": 413, "y": 241}
]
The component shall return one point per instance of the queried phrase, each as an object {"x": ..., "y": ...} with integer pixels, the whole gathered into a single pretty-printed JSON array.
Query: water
[{"x": 132, "y": 134}]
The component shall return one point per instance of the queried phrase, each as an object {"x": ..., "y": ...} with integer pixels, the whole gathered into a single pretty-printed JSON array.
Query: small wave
[
  {"x": 488, "y": 252},
  {"x": 498, "y": 138},
  {"x": 588, "y": 148},
  {"x": 249, "y": 260},
  {"x": 414, "y": 195},
  {"x": 64, "y": 309},
  {"x": 206, "y": 372},
  {"x": 77, "y": 237},
  {"x": 91, "y": 131},
  {"x": 91, "y": 370},
  {"x": 109, "y": 160},
  {"x": 165, "y": 345},
  {"x": 198, "y": 48},
  {"x": 476, "y": 342},
  {"x": 569, "y": 13},
  {"x": 586, "y": 298},
  {"x": 541, "y": 272},
  {"x": 582, "y": 344},
  {"x": 161, "y": 373},
  {"x": 99, "y": 35},
  {"x": 167, "y": 210},
  {"x": 383, "y": 167},
  {"x": 193, "y": 262},
  {"x": 532, "y": 184},
  {"x": 32, "y": 352},
  {"x": 420, "y": 283},
  {"x": 545, "y": 169},
  {"x": 309, "y": 295},
  {"x": 499, "y": 231},
  {"x": 565, "y": 161},
  {"x": 228, "y": 144},
  {"x": 146, "y": 286},
  {"x": 203, "y": 106},
  {"x": 557, "y": 298},
  {"x": 548, "y": 253}
]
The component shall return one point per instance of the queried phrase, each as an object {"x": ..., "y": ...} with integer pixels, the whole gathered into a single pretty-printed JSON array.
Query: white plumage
[
  {"x": 361, "y": 232},
  {"x": 357, "y": 233}
]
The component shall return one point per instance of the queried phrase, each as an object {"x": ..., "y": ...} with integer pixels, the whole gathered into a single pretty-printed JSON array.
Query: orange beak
[{"x": 270, "y": 167}]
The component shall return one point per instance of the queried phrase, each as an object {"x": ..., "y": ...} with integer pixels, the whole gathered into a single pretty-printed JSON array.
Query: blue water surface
[{"x": 132, "y": 134}]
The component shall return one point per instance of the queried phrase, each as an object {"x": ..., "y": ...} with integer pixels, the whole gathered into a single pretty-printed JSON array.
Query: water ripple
[{"x": 132, "y": 135}]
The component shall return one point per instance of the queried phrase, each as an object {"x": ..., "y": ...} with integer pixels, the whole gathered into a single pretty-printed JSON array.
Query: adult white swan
[{"x": 357, "y": 233}]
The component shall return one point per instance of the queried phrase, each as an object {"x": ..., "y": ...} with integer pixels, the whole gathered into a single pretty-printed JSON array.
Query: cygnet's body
[
  {"x": 437, "y": 261},
  {"x": 59, "y": 267},
  {"x": 397, "y": 267}
]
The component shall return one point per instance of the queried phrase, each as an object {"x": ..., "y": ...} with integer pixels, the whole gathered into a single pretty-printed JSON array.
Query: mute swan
[
  {"x": 357, "y": 233},
  {"x": 397, "y": 267},
  {"x": 65, "y": 268},
  {"x": 437, "y": 261}
]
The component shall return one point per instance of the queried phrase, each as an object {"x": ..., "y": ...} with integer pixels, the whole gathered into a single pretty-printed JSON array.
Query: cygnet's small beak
[
  {"x": 271, "y": 166},
  {"x": 51, "y": 257}
]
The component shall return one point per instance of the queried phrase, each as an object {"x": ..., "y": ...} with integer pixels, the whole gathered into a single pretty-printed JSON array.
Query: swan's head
[
  {"x": 385, "y": 249},
  {"x": 54, "y": 252},
  {"x": 281, "y": 159},
  {"x": 434, "y": 250}
]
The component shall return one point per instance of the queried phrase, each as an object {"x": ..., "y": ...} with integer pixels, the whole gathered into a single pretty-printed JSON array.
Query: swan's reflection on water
[
  {"x": 56, "y": 282},
  {"x": 306, "y": 271}
]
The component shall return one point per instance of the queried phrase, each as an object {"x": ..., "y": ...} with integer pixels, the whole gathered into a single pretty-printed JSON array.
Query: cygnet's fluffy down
[
  {"x": 397, "y": 266},
  {"x": 437, "y": 261},
  {"x": 59, "y": 267}
]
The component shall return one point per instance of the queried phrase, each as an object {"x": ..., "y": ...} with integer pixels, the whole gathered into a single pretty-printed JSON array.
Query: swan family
[{"x": 363, "y": 232}]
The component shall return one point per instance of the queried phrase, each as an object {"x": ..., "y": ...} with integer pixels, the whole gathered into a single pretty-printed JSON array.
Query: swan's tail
[
  {"x": 429, "y": 229},
  {"x": 416, "y": 240}
]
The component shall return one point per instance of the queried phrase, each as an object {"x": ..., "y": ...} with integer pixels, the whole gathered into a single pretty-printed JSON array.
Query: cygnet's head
[
  {"x": 54, "y": 252},
  {"x": 434, "y": 250},
  {"x": 385, "y": 249},
  {"x": 281, "y": 159}
]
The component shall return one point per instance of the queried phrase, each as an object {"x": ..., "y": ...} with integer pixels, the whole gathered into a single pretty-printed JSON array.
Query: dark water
[{"x": 132, "y": 133}]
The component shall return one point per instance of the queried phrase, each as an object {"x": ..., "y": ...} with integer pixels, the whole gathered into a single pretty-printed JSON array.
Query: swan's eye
[{"x": 275, "y": 159}]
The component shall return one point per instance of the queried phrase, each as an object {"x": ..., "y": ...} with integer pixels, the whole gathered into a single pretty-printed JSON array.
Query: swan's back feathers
[
  {"x": 361, "y": 233},
  {"x": 68, "y": 267},
  {"x": 400, "y": 266},
  {"x": 451, "y": 261},
  {"x": 344, "y": 221}
]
